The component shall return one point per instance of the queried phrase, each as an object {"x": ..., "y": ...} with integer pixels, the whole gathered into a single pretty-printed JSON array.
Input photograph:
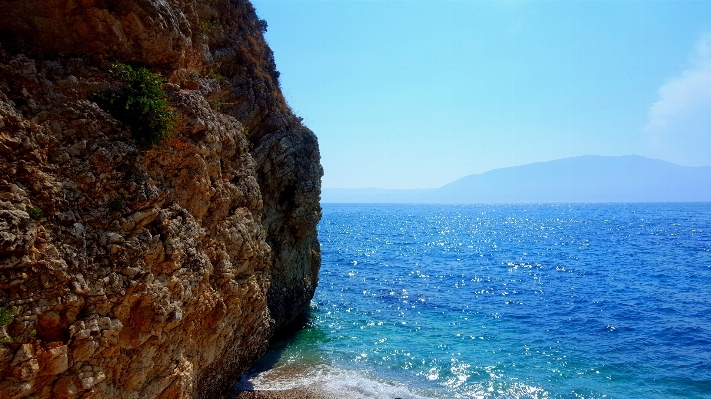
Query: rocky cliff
[{"x": 129, "y": 271}]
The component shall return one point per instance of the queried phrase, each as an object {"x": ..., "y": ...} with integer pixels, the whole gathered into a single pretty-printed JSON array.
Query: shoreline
[
  {"x": 301, "y": 380},
  {"x": 294, "y": 393}
]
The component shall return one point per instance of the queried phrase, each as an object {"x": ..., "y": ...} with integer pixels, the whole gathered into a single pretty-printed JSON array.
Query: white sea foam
[
  {"x": 354, "y": 384},
  {"x": 331, "y": 381}
]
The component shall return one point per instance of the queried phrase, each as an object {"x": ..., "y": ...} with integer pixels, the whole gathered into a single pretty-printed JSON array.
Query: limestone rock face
[
  {"x": 143, "y": 273},
  {"x": 155, "y": 32},
  {"x": 290, "y": 183},
  {"x": 129, "y": 272}
]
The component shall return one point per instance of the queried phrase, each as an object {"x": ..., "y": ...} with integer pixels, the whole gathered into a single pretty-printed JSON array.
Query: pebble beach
[{"x": 303, "y": 393}]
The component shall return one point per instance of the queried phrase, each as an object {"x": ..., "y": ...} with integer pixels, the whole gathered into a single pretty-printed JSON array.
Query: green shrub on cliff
[
  {"x": 36, "y": 214},
  {"x": 6, "y": 316},
  {"x": 141, "y": 104}
]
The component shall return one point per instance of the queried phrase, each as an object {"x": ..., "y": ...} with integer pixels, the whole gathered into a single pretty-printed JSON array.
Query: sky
[{"x": 417, "y": 94}]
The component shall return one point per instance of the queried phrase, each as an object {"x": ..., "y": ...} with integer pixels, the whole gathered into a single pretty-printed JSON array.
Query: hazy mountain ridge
[{"x": 589, "y": 178}]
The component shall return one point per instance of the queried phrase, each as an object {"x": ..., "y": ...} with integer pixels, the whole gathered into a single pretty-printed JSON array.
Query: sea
[{"x": 505, "y": 301}]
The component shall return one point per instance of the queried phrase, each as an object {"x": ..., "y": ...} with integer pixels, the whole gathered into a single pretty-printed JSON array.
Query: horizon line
[{"x": 515, "y": 166}]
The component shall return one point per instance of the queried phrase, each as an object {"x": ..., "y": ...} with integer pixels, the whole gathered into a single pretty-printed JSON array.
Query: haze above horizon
[{"x": 417, "y": 94}]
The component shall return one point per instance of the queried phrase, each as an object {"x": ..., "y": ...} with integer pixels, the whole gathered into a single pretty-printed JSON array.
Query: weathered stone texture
[
  {"x": 154, "y": 32},
  {"x": 145, "y": 273},
  {"x": 290, "y": 183},
  {"x": 146, "y": 268}
]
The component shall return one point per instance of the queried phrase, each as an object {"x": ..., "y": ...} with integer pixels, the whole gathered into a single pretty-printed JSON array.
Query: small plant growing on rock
[
  {"x": 141, "y": 104},
  {"x": 167, "y": 241},
  {"x": 262, "y": 25},
  {"x": 194, "y": 75},
  {"x": 216, "y": 105},
  {"x": 206, "y": 26},
  {"x": 6, "y": 316},
  {"x": 245, "y": 131},
  {"x": 219, "y": 78},
  {"x": 210, "y": 26},
  {"x": 217, "y": 100},
  {"x": 36, "y": 214}
]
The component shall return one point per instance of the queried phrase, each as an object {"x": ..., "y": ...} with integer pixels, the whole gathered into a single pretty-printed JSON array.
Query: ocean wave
[
  {"x": 331, "y": 381},
  {"x": 359, "y": 384}
]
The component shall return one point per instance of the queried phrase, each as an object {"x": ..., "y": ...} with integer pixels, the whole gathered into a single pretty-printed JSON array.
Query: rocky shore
[
  {"x": 147, "y": 271},
  {"x": 304, "y": 393}
]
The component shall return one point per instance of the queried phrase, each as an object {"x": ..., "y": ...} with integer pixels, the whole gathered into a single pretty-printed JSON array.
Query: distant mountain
[{"x": 590, "y": 178}]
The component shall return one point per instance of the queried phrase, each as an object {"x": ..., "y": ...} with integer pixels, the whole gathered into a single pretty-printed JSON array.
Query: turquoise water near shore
[{"x": 506, "y": 301}]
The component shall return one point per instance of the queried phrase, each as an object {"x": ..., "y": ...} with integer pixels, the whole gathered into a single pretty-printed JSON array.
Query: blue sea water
[{"x": 506, "y": 301}]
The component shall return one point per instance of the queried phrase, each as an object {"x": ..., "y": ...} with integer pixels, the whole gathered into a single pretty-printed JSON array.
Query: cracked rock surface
[{"x": 161, "y": 272}]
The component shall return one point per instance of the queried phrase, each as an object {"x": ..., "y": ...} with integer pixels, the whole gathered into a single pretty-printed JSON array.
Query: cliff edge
[{"x": 130, "y": 271}]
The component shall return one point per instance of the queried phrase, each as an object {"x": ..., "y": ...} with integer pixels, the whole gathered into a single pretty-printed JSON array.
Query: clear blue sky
[{"x": 416, "y": 94}]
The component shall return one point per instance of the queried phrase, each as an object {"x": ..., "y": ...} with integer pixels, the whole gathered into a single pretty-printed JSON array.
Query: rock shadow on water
[
  {"x": 296, "y": 366},
  {"x": 293, "y": 349}
]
